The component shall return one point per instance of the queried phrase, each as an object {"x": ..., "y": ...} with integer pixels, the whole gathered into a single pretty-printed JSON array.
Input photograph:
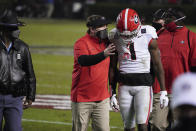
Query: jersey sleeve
[
  {"x": 192, "y": 55},
  {"x": 80, "y": 49},
  {"x": 152, "y": 32}
]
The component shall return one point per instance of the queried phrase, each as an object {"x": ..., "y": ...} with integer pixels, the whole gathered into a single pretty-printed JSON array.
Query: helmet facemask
[{"x": 130, "y": 34}]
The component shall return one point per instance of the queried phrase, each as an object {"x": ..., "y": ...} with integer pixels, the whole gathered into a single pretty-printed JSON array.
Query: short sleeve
[
  {"x": 192, "y": 49},
  {"x": 152, "y": 31},
  {"x": 80, "y": 49}
]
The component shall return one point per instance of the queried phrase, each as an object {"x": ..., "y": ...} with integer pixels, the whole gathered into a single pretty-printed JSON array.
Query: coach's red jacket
[{"x": 178, "y": 54}]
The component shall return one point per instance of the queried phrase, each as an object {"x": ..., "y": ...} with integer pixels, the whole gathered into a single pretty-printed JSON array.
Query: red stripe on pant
[{"x": 149, "y": 108}]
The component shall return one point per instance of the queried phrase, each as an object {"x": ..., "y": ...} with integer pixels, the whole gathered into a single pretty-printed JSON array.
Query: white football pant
[{"x": 135, "y": 104}]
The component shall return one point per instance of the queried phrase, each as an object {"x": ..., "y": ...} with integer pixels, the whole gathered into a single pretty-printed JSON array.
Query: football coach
[
  {"x": 89, "y": 92},
  {"x": 17, "y": 78}
]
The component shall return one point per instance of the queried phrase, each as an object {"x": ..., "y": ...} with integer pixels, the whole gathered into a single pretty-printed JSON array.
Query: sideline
[
  {"x": 52, "y": 102},
  {"x": 61, "y": 102},
  {"x": 58, "y": 123}
]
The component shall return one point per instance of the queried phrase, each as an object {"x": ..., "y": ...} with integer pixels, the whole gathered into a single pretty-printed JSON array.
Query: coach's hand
[
  {"x": 163, "y": 99},
  {"x": 109, "y": 50},
  {"x": 114, "y": 103},
  {"x": 27, "y": 104}
]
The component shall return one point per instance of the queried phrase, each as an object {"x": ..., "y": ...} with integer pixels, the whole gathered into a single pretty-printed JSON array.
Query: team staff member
[
  {"x": 158, "y": 21},
  {"x": 156, "y": 123},
  {"x": 177, "y": 46},
  {"x": 17, "y": 78},
  {"x": 89, "y": 92}
]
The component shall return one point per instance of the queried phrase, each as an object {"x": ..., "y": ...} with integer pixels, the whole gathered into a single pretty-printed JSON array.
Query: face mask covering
[
  {"x": 171, "y": 27},
  {"x": 15, "y": 34},
  {"x": 157, "y": 26},
  {"x": 102, "y": 34}
]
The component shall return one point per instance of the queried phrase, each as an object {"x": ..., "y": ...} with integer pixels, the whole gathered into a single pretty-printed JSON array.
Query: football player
[{"x": 136, "y": 46}]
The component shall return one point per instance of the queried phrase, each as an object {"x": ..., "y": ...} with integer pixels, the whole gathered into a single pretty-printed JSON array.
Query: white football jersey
[{"x": 133, "y": 54}]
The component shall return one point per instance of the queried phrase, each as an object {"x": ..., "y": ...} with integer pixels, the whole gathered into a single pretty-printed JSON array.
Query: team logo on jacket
[{"x": 182, "y": 42}]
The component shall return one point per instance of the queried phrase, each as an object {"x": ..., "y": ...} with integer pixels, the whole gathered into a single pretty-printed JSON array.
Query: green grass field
[
  {"x": 53, "y": 73},
  {"x": 53, "y": 66},
  {"x": 53, "y": 32},
  {"x": 58, "y": 120}
]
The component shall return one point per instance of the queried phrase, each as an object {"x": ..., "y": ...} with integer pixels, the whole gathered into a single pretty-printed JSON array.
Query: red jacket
[
  {"x": 177, "y": 55},
  {"x": 89, "y": 83}
]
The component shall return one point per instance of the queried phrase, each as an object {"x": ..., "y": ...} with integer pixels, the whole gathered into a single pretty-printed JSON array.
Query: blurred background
[
  {"x": 80, "y": 9},
  {"x": 52, "y": 27}
]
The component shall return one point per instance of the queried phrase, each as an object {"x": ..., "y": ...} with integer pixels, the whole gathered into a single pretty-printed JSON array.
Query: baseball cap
[
  {"x": 184, "y": 90},
  {"x": 176, "y": 12},
  {"x": 96, "y": 21}
]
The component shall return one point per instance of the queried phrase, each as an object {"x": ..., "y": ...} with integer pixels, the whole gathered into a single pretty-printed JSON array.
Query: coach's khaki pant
[
  {"x": 97, "y": 111},
  {"x": 159, "y": 118}
]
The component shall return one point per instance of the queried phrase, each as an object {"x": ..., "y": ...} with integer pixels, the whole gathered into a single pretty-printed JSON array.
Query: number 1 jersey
[{"x": 133, "y": 54}]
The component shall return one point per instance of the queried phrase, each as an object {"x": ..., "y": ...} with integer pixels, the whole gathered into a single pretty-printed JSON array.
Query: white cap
[{"x": 184, "y": 90}]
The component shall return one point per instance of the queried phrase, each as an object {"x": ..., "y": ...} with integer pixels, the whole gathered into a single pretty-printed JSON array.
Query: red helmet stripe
[{"x": 128, "y": 20}]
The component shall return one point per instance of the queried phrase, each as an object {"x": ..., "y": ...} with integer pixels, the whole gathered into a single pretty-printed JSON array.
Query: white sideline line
[
  {"x": 48, "y": 122},
  {"x": 62, "y": 108},
  {"x": 57, "y": 122}
]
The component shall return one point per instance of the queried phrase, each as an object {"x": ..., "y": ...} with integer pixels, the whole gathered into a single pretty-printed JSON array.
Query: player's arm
[
  {"x": 157, "y": 65},
  {"x": 113, "y": 65},
  {"x": 113, "y": 82},
  {"x": 113, "y": 73}
]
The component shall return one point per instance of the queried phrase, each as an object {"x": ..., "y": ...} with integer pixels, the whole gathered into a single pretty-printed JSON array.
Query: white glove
[
  {"x": 163, "y": 99},
  {"x": 114, "y": 103}
]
